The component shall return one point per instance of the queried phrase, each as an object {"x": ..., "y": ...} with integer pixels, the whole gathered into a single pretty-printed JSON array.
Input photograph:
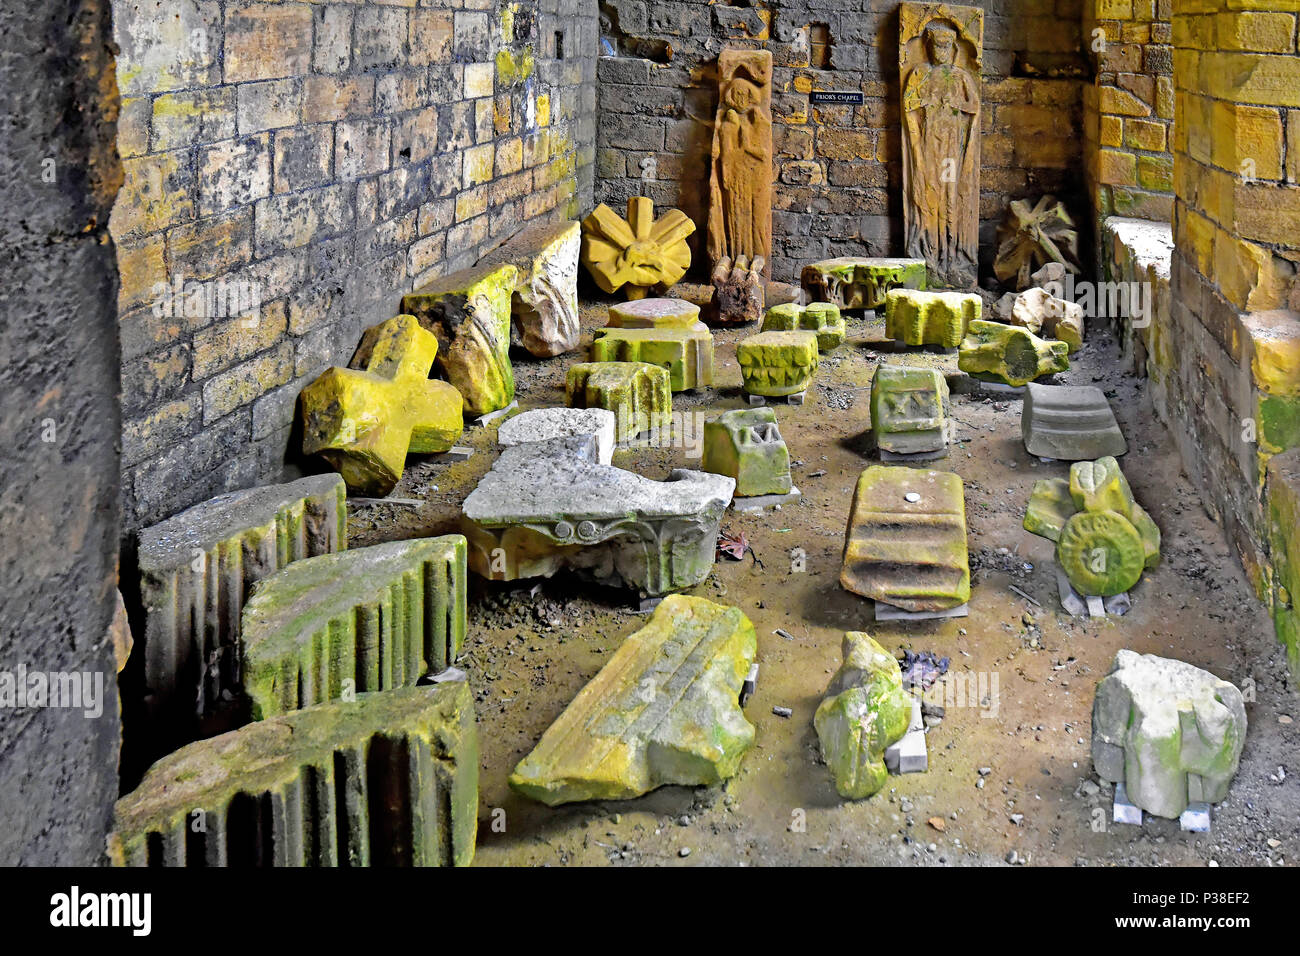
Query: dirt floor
[{"x": 1010, "y": 778}]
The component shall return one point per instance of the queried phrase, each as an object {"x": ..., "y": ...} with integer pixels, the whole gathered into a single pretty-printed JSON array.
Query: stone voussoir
[{"x": 545, "y": 300}]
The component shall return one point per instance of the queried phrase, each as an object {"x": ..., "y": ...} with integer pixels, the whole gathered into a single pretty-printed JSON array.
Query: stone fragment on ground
[
  {"x": 387, "y": 779},
  {"x": 1069, "y": 422},
  {"x": 1169, "y": 731},
  {"x": 739, "y": 291},
  {"x": 469, "y": 312},
  {"x": 1009, "y": 354},
  {"x": 659, "y": 313},
  {"x": 197, "y": 569},
  {"x": 774, "y": 364},
  {"x": 864, "y": 712},
  {"x": 908, "y": 409},
  {"x": 906, "y": 539},
  {"x": 1038, "y": 311},
  {"x": 687, "y": 353},
  {"x": 367, "y": 619},
  {"x": 545, "y": 300},
  {"x": 365, "y": 420},
  {"x": 664, "y": 710},
  {"x": 860, "y": 283},
  {"x": 639, "y": 394},
  {"x": 543, "y": 424},
  {"x": 823, "y": 318},
  {"x": 930, "y": 318},
  {"x": 746, "y": 444},
  {"x": 549, "y": 505}
]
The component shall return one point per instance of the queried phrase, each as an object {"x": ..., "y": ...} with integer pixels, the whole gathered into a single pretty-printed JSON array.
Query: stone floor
[{"x": 530, "y": 649}]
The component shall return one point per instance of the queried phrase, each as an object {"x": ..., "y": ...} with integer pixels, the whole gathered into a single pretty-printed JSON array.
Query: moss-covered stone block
[
  {"x": 908, "y": 409},
  {"x": 687, "y": 354},
  {"x": 365, "y": 422},
  {"x": 469, "y": 312},
  {"x": 368, "y": 619},
  {"x": 664, "y": 710},
  {"x": 1284, "y": 548},
  {"x": 851, "y": 282},
  {"x": 383, "y": 780},
  {"x": 1050, "y": 507},
  {"x": 1009, "y": 354},
  {"x": 638, "y": 393},
  {"x": 906, "y": 539},
  {"x": 746, "y": 444},
  {"x": 865, "y": 711},
  {"x": 930, "y": 318},
  {"x": 778, "y": 363},
  {"x": 1100, "y": 486},
  {"x": 821, "y": 318}
]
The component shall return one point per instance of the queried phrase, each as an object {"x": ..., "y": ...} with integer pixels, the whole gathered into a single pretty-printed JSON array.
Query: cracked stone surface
[
  {"x": 543, "y": 424},
  {"x": 551, "y": 504},
  {"x": 664, "y": 710},
  {"x": 1171, "y": 732}
]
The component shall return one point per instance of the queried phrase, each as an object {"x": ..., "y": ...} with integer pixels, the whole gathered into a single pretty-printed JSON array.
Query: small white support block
[
  {"x": 764, "y": 502},
  {"x": 887, "y": 612},
  {"x": 453, "y": 454},
  {"x": 755, "y": 399},
  {"x": 750, "y": 685},
  {"x": 1096, "y": 606},
  {"x": 1196, "y": 818},
  {"x": 1125, "y": 812},
  {"x": 490, "y": 417},
  {"x": 910, "y": 755}
]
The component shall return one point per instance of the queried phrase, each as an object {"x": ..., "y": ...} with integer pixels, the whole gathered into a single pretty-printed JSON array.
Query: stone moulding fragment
[
  {"x": 654, "y": 314},
  {"x": 197, "y": 569},
  {"x": 850, "y": 282},
  {"x": 930, "y": 318},
  {"x": 1069, "y": 422},
  {"x": 1171, "y": 732},
  {"x": 545, "y": 300},
  {"x": 823, "y": 318},
  {"x": 469, "y": 312},
  {"x": 551, "y": 505},
  {"x": 364, "y": 421},
  {"x": 1009, "y": 354},
  {"x": 687, "y": 354},
  {"x": 638, "y": 393},
  {"x": 379, "y": 617},
  {"x": 542, "y": 424},
  {"x": 664, "y": 710},
  {"x": 383, "y": 780},
  {"x": 908, "y": 407},
  {"x": 746, "y": 444},
  {"x": 778, "y": 363},
  {"x": 906, "y": 539}
]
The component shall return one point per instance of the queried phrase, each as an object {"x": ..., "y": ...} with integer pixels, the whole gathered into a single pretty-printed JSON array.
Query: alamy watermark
[
  {"x": 75, "y": 690},
  {"x": 1101, "y": 300},
  {"x": 682, "y": 429},
  {"x": 215, "y": 299}
]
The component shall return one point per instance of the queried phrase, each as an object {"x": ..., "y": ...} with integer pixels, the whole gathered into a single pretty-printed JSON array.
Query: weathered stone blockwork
[
  {"x": 656, "y": 114},
  {"x": 327, "y": 156},
  {"x": 1129, "y": 108}
]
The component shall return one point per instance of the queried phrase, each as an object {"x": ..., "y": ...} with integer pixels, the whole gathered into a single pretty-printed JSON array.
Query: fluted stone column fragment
[
  {"x": 383, "y": 780},
  {"x": 197, "y": 569},
  {"x": 377, "y": 617}
]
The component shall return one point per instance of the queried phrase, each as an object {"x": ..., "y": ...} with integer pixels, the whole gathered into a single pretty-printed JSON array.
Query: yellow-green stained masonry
[
  {"x": 636, "y": 392},
  {"x": 778, "y": 363},
  {"x": 687, "y": 354},
  {"x": 364, "y": 422}
]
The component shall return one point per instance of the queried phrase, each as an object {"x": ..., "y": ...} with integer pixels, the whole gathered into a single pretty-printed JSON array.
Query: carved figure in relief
[{"x": 740, "y": 214}]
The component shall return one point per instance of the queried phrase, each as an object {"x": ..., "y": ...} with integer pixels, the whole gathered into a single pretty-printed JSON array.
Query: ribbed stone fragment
[
  {"x": 860, "y": 283},
  {"x": 368, "y": 619},
  {"x": 778, "y": 363},
  {"x": 639, "y": 394},
  {"x": 196, "y": 571},
  {"x": 1069, "y": 422},
  {"x": 687, "y": 353},
  {"x": 1171, "y": 732},
  {"x": 386, "y": 779},
  {"x": 550, "y": 504},
  {"x": 664, "y": 710},
  {"x": 908, "y": 553},
  {"x": 930, "y": 318}
]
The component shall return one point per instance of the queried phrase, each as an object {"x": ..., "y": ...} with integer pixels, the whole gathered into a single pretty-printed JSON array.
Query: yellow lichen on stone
[{"x": 364, "y": 422}]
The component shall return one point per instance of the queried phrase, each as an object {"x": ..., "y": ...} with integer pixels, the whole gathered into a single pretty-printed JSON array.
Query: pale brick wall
[
  {"x": 1034, "y": 71},
  {"x": 337, "y": 154}
]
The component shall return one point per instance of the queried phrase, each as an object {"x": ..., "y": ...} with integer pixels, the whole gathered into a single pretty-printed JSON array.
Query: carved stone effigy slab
[
  {"x": 197, "y": 569},
  {"x": 377, "y": 617},
  {"x": 664, "y": 710},
  {"x": 939, "y": 57},
  {"x": 740, "y": 180},
  {"x": 549, "y": 505},
  {"x": 545, "y": 302},
  {"x": 383, "y": 780}
]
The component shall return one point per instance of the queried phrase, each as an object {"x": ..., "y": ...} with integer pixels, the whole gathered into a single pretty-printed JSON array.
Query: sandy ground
[{"x": 1009, "y": 775}]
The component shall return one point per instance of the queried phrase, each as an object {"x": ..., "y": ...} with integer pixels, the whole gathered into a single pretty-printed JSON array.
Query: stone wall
[
  {"x": 320, "y": 158},
  {"x": 1129, "y": 108},
  {"x": 656, "y": 112},
  {"x": 58, "y": 425}
]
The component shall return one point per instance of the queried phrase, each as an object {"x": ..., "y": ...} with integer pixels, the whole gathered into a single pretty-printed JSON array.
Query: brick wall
[
  {"x": 1129, "y": 108},
  {"x": 331, "y": 155},
  {"x": 653, "y": 106}
]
